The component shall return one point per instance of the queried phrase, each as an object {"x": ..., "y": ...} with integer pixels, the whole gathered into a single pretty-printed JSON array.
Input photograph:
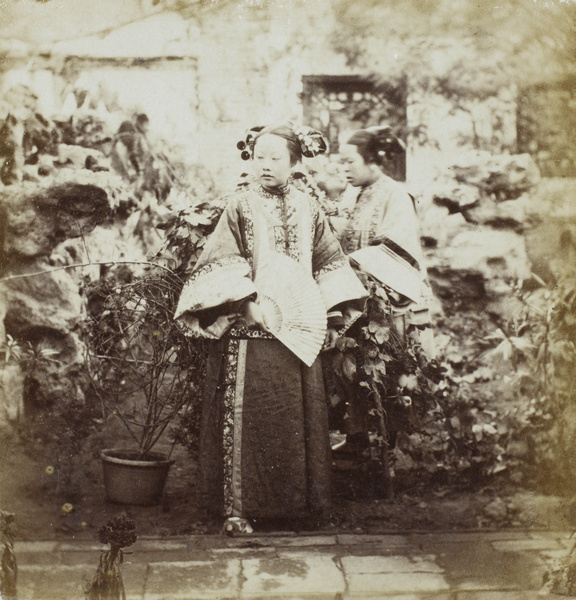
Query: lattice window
[{"x": 339, "y": 104}]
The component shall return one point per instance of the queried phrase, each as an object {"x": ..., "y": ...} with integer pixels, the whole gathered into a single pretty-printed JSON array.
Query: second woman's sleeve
[
  {"x": 341, "y": 289},
  {"x": 221, "y": 281}
]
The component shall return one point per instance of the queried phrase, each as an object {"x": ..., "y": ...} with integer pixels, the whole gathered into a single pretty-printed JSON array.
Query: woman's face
[
  {"x": 357, "y": 172},
  {"x": 271, "y": 163}
]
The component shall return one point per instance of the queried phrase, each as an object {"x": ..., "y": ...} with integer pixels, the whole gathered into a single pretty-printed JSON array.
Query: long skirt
[{"x": 264, "y": 444}]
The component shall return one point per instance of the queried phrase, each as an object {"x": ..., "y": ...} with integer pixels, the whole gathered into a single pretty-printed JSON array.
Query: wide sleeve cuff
[
  {"x": 218, "y": 283},
  {"x": 339, "y": 284}
]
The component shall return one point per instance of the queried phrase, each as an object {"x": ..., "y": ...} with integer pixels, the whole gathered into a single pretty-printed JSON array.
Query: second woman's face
[
  {"x": 271, "y": 163},
  {"x": 357, "y": 172}
]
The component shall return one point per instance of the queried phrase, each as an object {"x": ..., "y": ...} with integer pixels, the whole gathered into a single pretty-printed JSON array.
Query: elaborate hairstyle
[
  {"x": 301, "y": 141},
  {"x": 377, "y": 144},
  {"x": 142, "y": 119}
]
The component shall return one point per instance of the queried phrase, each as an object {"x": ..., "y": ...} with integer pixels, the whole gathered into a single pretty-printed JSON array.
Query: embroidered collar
[{"x": 276, "y": 191}]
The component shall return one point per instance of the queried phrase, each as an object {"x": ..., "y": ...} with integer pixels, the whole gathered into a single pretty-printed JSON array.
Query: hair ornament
[
  {"x": 385, "y": 137},
  {"x": 246, "y": 146},
  {"x": 312, "y": 142}
]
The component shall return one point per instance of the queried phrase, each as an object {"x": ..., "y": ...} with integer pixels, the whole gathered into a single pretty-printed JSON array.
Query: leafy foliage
[
  {"x": 530, "y": 436},
  {"x": 387, "y": 372},
  {"x": 26, "y": 354},
  {"x": 546, "y": 378},
  {"x": 449, "y": 424},
  {"x": 186, "y": 230}
]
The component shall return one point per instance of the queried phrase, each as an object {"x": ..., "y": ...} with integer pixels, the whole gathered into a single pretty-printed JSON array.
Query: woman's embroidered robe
[
  {"x": 384, "y": 217},
  {"x": 264, "y": 448}
]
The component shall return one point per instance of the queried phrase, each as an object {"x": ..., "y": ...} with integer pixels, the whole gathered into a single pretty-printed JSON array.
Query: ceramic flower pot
[{"x": 132, "y": 480}]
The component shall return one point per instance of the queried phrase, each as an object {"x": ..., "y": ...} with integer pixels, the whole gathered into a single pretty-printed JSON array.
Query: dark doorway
[{"x": 340, "y": 103}]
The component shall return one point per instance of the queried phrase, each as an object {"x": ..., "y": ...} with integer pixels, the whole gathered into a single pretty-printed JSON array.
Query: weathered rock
[
  {"x": 19, "y": 100},
  {"x": 438, "y": 227},
  {"x": 38, "y": 217},
  {"x": 508, "y": 214},
  {"x": 479, "y": 207},
  {"x": 76, "y": 155},
  {"x": 50, "y": 300},
  {"x": 58, "y": 375},
  {"x": 474, "y": 271},
  {"x": 43, "y": 310},
  {"x": 48, "y": 224},
  {"x": 455, "y": 197},
  {"x": 457, "y": 289},
  {"x": 504, "y": 175},
  {"x": 493, "y": 253}
]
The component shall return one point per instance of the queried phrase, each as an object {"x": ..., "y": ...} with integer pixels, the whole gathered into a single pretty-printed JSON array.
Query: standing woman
[
  {"x": 264, "y": 445},
  {"x": 382, "y": 236},
  {"x": 384, "y": 212}
]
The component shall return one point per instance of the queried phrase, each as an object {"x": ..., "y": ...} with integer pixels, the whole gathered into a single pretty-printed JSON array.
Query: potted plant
[{"x": 145, "y": 372}]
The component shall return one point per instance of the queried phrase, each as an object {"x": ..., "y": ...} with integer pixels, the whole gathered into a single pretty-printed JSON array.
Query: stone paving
[{"x": 505, "y": 565}]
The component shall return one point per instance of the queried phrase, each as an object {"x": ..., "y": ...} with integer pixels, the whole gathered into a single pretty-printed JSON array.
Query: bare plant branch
[{"x": 84, "y": 265}]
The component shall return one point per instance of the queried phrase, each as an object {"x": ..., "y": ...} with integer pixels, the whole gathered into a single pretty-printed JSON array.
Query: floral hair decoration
[{"x": 312, "y": 142}]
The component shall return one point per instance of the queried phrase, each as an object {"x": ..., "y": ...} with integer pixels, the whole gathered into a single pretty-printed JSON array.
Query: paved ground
[{"x": 506, "y": 565}]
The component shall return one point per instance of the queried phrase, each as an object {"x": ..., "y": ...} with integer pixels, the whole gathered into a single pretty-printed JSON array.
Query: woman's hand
[
  {"x": 222, "y": 324},
  {"x": 253, "y": 315},
  {"x": 330, "y": 339}
]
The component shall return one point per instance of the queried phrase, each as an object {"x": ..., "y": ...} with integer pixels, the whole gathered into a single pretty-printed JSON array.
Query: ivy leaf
[
  {"x": 382, "y": 334},
  {"x": 410, "y": 382},
  {"x": 349, "y": 367},
  {"x": 196, "y": 219},
  {"x": 455, "y": 422},
  {"x": 478, "y": 432},
  {"x": 489, "y": 428}
]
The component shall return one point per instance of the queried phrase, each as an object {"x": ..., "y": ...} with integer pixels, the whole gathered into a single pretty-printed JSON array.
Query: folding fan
[{"x": 292, "y": 306}]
